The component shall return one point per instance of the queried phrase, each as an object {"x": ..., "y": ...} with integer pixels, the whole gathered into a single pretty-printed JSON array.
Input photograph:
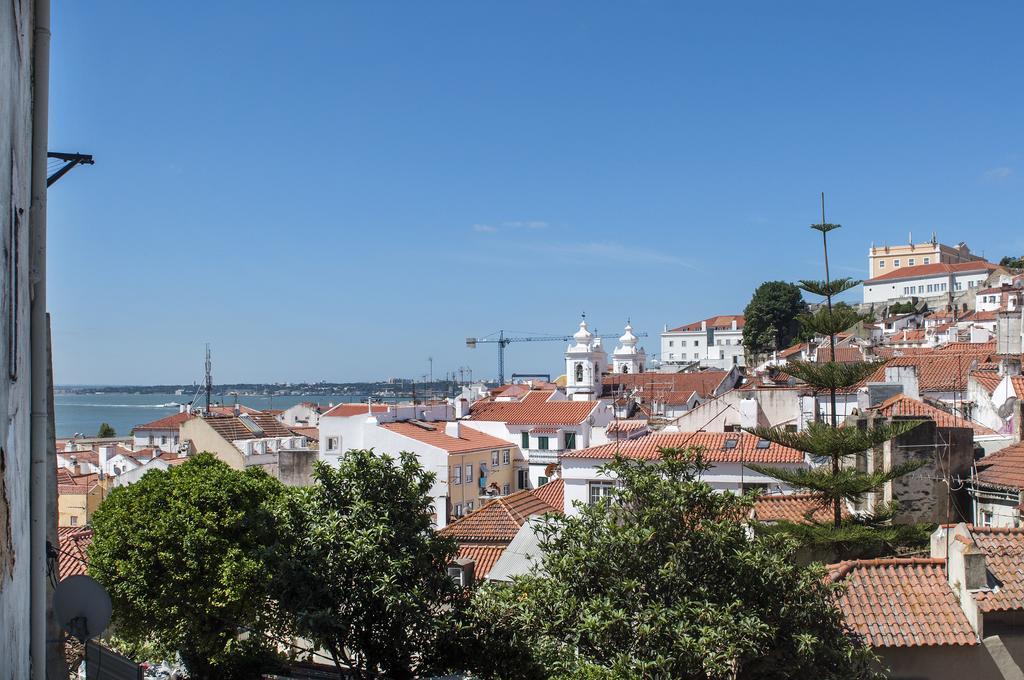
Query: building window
[
  {"x": 469, "y": 506},
  {"x": 570, "y": 440},
  {"x": 579, "y": 373},
  {"x": 911, "y": 262},
  {"x": 332, "y": 443},
  {"x": 526, "y": 440},
  {"x": 696, "y": 343},
  {"x": 505, "y": 489},
  {"x": 457, "y": 474},
  {"x": 505, "y": 456},
  {"x": 542, "y": 443},
  {"x": 599, "y": 490},
  {"x": 671, "y": 343},
  {"x": 469, "y": 473},
  {"x": 671, "y": 355},
  {"x": 522, "y": 479},
  {"x": 74, "y": 520},
  {"x": 682, "y": 343},
  {"x": 986, "y": 519},
  {"x": 896, "y": 263},
  {"x": 494, "y": 457},
  {"x": 458, "y": 510},
  {"x": 920, "y": 289},
  {"x": 927, "y": 260},
  {"x": 541, "y": 481},
  {"x": 881, "y": 264}
]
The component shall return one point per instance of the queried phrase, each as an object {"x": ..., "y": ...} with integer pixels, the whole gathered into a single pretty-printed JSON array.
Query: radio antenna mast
[{"x": 209, "y": 378}]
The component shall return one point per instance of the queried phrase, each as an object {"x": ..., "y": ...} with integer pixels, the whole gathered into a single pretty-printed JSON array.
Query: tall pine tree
[{"x": 835, "y": 480}]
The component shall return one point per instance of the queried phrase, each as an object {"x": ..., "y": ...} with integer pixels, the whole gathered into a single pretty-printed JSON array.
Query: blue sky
[{"x": 338, "y": 190}]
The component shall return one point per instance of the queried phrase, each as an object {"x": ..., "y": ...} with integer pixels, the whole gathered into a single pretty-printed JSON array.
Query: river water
[{"x": 83, "y": 413}]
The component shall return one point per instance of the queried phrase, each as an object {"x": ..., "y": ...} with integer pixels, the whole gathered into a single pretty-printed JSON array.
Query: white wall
[
  {"x": 577, "y": 474},
  {"x": 885, "y": 291},
  {"x": 165, "y": 440},
  {"x": 15, "y": 183},
  {"x": 678, "y": 347}
]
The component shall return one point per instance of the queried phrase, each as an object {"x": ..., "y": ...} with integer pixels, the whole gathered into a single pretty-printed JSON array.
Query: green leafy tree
[
  {"x": 771, "y": 317},
  {"x": 366, "y": 579},
  {"x": 662, "y": 580},
  {"x": 836, "y": 480},
  {"x": 106, "y": 430},
  {"x": 187, "y": 557},
  {"x": 1012, "y": 262}
]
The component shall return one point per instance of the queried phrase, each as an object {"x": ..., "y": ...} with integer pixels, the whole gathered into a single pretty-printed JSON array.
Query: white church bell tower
[{"x": 585, "y": 363}]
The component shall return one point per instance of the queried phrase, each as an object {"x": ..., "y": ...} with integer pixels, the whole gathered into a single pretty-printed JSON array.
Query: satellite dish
[
  {"x": 1006, "y": 410},
  {"x": 82, "y": 606}
]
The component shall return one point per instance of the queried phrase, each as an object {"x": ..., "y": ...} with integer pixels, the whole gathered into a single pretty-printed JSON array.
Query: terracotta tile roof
[
  {"x": 83, "y": 456},
  {"x": 721, "y": 322},
  {"x": 661, "y": 386},
  {"x": 906, "y": 335},
  {"x": 1004, "y": 556},
  {"x": 988, "y": 380},
  {"x": 844, "y": 355},
  {"x": 499, "y": 519},
  {"x": 483, "y": 556},
  {"x": 73, "y": 543},
  {"x": 1004, "y": 468},
  {"x": 967, "y": 348},
  {"x": 713, "y": 443},
  {"x": 902, "y": 405},
  {"x": 552, "y": 493},
  {"x": 933, "y": 269},
  {"x": 534, "y": 413},
  {"x": 538, "y": 395},
  {"x": 1017, "y": 382},
  {"x": 312, "y": 433},
  {"x": 349, "y": 410},
  {"x": 433, "y": 433},
  {"x": 623, "y": 426},
  {"x": 890, "y": 352},
  {"x": 902, "y": 603},
  {"x": 79, "y": 484},
  {"x": 799, "y": 508},
  {"x": 64, "y": 476},
  {"x": 795, "y": 349},
  {"x": 232, "y": 428},
  {"x": 170, "y": 422},
  {"x": 935, "y": 372}
]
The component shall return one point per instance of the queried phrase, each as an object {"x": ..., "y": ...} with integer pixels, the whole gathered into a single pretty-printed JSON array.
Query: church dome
[
  {"x": 628, "y": 339},
  {"x": 583, "y": 336}
]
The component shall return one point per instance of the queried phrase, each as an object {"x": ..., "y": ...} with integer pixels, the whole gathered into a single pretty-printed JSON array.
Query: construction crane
[{"x": 502, "y": 342}]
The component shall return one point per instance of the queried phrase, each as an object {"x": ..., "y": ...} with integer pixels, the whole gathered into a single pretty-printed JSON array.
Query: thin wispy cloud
[
  {"x": 611, "y": 251},
  {"x": 997, "y": 175},
  {"x": 515, "y": 225}
]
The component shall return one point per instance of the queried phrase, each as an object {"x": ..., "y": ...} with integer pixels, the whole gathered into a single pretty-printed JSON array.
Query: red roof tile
[
  {"x": 349, "y": 410},
  {"x": 799, "y": 508},
  {"x": 1004, "y": 468},
  {"x": 498, "y": 520},
  {"x": 534, "y": 413},
  {"x": 662, "y": 386},
  {"x": 552, "y": 493},
  {"x": 1004, "y": 556},
  {"x": 73, "y": 543},
  {"x": 721, "y": 322},
  {"x": 935, "y": 372},
  {"x": 713, "y": 444},
  {"x": 484, "y": 557},
  {"x": 902, "y": 405},
  {"x": 988, "y": 380},
  {"x": 433, "y": 433},
  {"x": 844, "y": 355},
  {"x": 232, "y": 428},
  {"x": 170, "y": 422},
  {"x": 935, "y": 269},
  {"x": 902, "y": 603},
  {"x": 967, "y": 348}
]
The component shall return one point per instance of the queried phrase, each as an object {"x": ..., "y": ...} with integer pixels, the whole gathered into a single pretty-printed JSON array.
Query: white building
[
  {"x": 306, "y": 414},
  {"x": 938, "y": 282},
  {"x": 585, "y": 364},
  {"x": 163, "y": 433},
  {"x": 716, "y": 342},
  {"x": 358, "y": 426},
  {"x": 544, "y": 430},
  {"x": 728, "y": 453}
]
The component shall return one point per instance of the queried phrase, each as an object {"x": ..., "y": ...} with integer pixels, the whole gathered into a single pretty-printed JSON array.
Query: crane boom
[{"x": 502, "y": 342}]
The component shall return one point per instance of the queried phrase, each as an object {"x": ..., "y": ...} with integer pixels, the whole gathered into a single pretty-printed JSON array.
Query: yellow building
[
  {"x": 884, "y": 259},
  {"x": 78, "y": 496},
  {"x": 480, "y": 466}
]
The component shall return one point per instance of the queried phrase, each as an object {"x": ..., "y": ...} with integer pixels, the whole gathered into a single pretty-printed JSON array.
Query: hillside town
[{"x": 504, "y": 456}]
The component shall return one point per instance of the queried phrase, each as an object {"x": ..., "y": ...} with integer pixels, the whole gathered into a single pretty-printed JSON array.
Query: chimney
[
  {"x": 106, "y": 452},
  {"x": 975, "y": 569},
  {"x": 906, "y": 376},
  {"x": 237, "y": 409},
  {"x": 451, "y": 428},
  {"x": 461, "y": 407}
]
